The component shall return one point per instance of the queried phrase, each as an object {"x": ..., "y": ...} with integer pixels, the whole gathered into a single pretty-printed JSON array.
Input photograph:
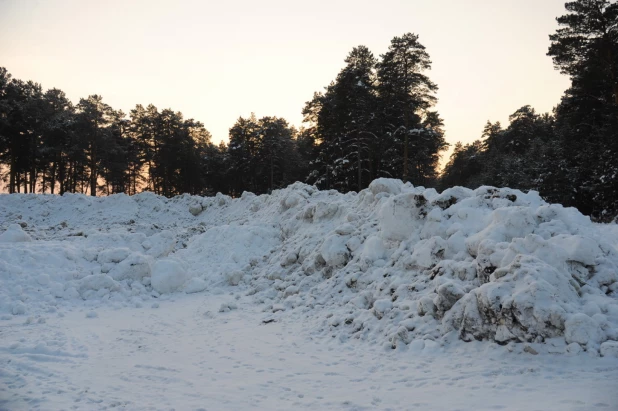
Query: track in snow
[{"x": 186, "y": 355}]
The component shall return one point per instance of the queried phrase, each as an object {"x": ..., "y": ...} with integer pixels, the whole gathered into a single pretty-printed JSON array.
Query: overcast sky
[{"x": 217, "y": 60}]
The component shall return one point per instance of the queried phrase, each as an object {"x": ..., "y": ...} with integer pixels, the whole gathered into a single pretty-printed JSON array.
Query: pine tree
[
  {"x": 215, "y": 169},
  {"x": 586, "y": 49},
  {"x": 356, "y": 103},
  {"x": 195, "y": 142},
  {"x": 21, "y": 130},
  {"x": 275, "y": 148},
  {"x": 141, "y": 149},
  {"x": 93, "y": 118},
  {"x": 261, "y": 155},
  {"x": 318, "y": 114},
  {"x": 115, "y": 155},
  {"x": 344, "y": 124},
  {"x": 305, "y": 142},
  {"x": 242, "y": 151},
  {"x": 464, "y": 167},
  {"x": 406, "y": 94},
  {"x": 59, "y": 115},
  {"x": 586, "y": 46}
]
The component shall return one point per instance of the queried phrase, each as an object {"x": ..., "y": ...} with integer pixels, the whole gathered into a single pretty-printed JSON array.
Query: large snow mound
[{"x": 391, "y": 264}]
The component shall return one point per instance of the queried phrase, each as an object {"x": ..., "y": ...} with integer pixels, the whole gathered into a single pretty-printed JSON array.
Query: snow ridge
[{"x": 393, "y": 264}]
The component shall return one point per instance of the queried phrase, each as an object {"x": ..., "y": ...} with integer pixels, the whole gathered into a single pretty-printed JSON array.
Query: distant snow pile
[{"x": 392, "y": 264}]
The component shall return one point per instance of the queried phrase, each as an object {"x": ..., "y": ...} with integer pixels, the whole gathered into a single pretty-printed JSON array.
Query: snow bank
[{"x": 391, "y": 264}]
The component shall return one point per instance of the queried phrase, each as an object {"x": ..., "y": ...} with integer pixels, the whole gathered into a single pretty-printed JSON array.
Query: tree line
[
  {"x": 571, "y": 155},
  {"x": 49, "y": 145},
  {"x": 375, "y": 119}
]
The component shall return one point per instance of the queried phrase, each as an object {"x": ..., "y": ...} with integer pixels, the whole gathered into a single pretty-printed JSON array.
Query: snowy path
[{"x": 186, "y": 355}]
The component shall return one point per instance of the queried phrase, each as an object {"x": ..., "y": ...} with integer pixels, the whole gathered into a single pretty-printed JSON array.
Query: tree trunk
[
  {"x": 406, "y": 121},
  {"x": 328, "y": 177},
  {"x": 134, "y": 175},
  {"x": 405, "y": 157},
  {"x": 33, "y": 172},
  {"x": 33, "y": 178},
  {"x": 12, "y": 173},
  {"x": 271, "y": 173},
  {"x": 52, "y": 178},
  {"x": 93, "y": 172},
  {"x": 612, "y": 68},
  {"x": 360, "y": 170},
  {"x": 74, "y": 178},
  {"x": 93, "y": 160}
]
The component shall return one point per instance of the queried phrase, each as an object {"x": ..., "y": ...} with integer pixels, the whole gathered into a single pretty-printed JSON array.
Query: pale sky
[{"x": 217, "y": 60}]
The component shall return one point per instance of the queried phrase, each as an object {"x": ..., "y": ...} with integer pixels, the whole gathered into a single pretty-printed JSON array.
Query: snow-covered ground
[
  {"x": 397, "y": 297},
  {"x": 185, "y": 355}
]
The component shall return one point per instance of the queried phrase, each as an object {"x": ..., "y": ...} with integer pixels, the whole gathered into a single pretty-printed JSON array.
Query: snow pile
[
  {"x": 14, "y": 234},
  {"x": 391, "y": 264}
]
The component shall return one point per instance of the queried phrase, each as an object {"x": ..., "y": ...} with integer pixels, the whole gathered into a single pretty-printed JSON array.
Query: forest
[{"x": 377, "y": 118}]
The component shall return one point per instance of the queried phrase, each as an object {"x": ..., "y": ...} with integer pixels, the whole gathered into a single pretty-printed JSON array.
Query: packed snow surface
[{"x": 404, "y": 271}]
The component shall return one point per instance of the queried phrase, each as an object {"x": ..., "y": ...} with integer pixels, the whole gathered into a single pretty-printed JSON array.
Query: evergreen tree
[
  {"x": 344, "y": 125},
  {"x": 193, "y": 150},
  {"x": 406, "y": 94},
  {"x": 115, "y": 155},
  {"x": 355, "y": 104},
  {"x": 318, "y": 114},
  {"x": 242, "y": 152},
  {"x": 464, "y": 167},
  {"x": 215, "y": 169},
  {"x": 20, "y": 133},
  {"x": 586, "y": 49},
  {"x": 261, "y": 155},
  {"x": 59, "y": 115},
  {"x": 274, "y": 152},
  {"x": 93, "y": 119},
  {"x": 516, "y": 157},
  {"x": 305, "y": 142},
  {"x": 141, "y": 149}
]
